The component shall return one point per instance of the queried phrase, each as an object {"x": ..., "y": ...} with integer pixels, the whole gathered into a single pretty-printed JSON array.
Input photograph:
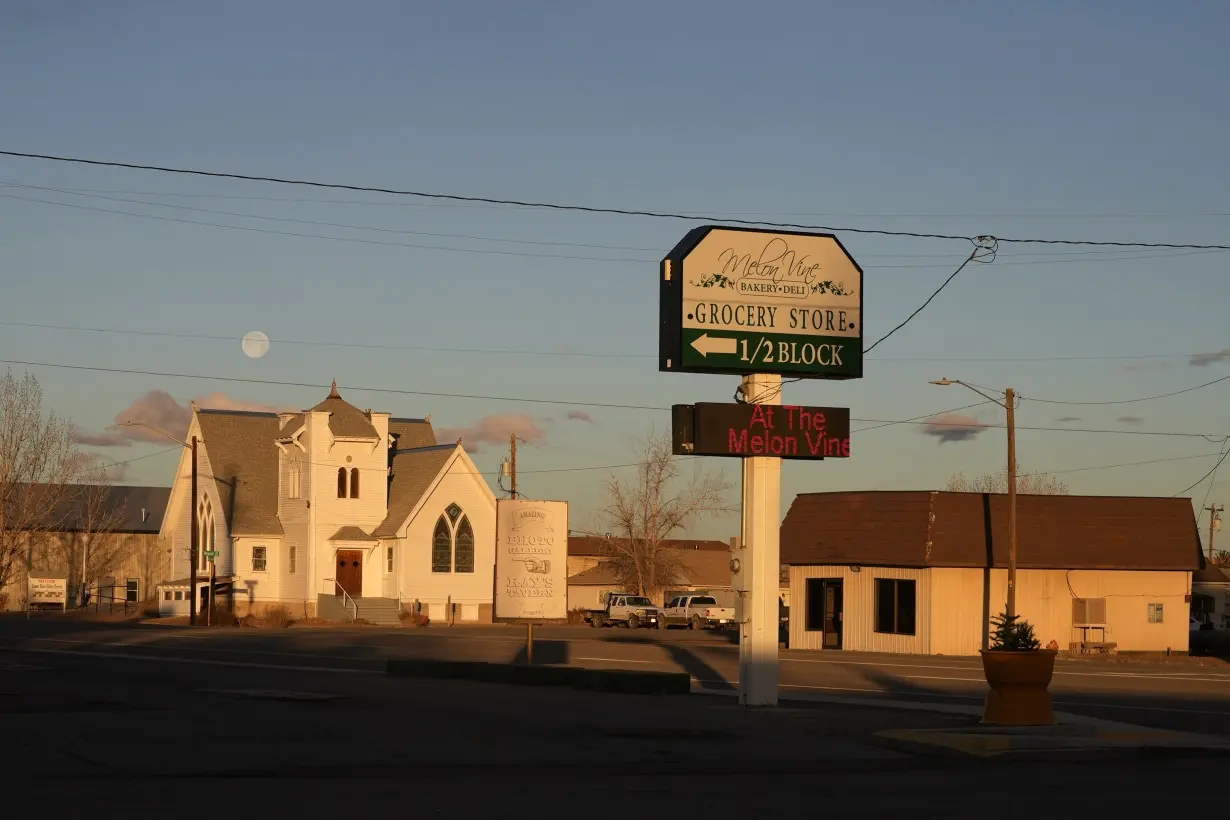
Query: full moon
[{"x": 255, "y": 344}]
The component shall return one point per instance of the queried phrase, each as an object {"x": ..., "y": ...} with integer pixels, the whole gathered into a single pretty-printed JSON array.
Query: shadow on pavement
[{"x": 691, "y": 663}]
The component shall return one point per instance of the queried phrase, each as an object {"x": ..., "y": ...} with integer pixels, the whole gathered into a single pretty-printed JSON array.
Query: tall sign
[
  {"x": 763, "y": 305},
  {"x": 737, "y": 301},
  {"x": 531, "y": 560}
]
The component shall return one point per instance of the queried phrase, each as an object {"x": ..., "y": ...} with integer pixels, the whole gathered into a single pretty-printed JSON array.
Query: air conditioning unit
[{"x": 1088, "y": 612}]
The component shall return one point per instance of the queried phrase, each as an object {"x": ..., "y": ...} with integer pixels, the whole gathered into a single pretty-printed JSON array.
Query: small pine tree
[{"x": 1011, "y": 634}]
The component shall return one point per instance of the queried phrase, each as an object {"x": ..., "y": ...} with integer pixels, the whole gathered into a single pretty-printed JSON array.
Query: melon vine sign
[{"x": 743, "y": 300}]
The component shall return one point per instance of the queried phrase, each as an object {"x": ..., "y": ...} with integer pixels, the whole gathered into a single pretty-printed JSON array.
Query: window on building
[
  {"x": 259, "y": 559},
  {"x": 463, "y": 553},
  {"x": 354, "y": 482},
  {"x": 388, "y": 560},
  {"x": 294, "y": 480},
  {"x": 442, "y": 547},
  {"x": 341, "y": 482},
  {"x": 896, "y": 602},
  {"x": 1155, "y": 613},
  {"x": 292, "y": 558},
  {"x": 179, "y": 595},
  {"x": 205, "y": 534},
  {"x": 166, "y": 596},
  {"x": 131, "y": 589}
]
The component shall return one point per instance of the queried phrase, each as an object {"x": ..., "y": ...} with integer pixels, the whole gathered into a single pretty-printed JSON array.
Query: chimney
[
  {"x": 144, "y": 514},
  {"x": 734, "y": 542}
]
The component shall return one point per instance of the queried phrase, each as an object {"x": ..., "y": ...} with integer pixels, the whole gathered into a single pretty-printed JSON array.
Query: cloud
[
  {"x": 494, "y": 429},
  {"x": 1146, "y": 365},
  {"x": 158, "y": 408},
  {"x": 579, "y": 415},
  {"x": 953, "y": 427},
  {"x": 1068, "y": 419},
  {"x": 1129, "y": 420},
  {"x": 1206, "y": 359}
]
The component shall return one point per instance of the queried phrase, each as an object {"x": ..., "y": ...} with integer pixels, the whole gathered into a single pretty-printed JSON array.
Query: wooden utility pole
[
  {"x": 1214, "y": 520},
  {"x": 512, "y": 466},
  {"x": 195, "y": 544},
  {"x": 1010, "y": 407}
]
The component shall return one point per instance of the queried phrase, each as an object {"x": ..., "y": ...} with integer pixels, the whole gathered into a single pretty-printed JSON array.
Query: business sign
[
  {"x": 47, "y": 591},
  {"x": 743, "y": 430},
  {"x": 531, "y": 560},
  {"x": 739, "y": 301}
]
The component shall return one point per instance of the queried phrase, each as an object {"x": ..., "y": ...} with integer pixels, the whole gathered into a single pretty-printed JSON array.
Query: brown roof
[
  {"x": 412, "y": 473},
  {"x": 942, "y": 529},
  {"x": 243, "y": 462},
  {"x": 293, "y": 425},
  {"x": 345, "y": 420},
  {"x": 1210, "y": 575},
  {"x": 592, "y": 545},
  {"x": 351, "y": 533},
  {"x": 698, "y": 568}
]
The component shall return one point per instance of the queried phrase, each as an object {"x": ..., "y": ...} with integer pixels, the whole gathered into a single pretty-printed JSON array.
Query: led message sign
[{"x": 743, "y": 430}]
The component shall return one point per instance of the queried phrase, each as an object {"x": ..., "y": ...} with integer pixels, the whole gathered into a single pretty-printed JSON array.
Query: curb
[{"x": 621, "y": 681}]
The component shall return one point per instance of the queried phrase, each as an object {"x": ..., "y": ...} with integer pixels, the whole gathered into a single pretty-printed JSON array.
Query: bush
[
  {"x": 248, "y": 621},
  {"x": 1011, "y": 634},
  {"x": 410, "y": 619},
  {"x": 224, "y": 617},
  {"x": 576, "y": 616},
  {"x": 278, "y": 617}
]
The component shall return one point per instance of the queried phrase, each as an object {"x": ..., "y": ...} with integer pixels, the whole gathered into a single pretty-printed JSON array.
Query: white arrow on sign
[{"x": 706, "y": 344}]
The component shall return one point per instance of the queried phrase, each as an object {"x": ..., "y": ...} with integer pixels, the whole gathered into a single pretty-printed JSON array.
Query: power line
[
  {"x": 571, "y": 354},
  {"x": 555, "y": 402},
  {"x": 1129, "y": 401},
  {"x": 1188, "y": 489},
  {"x": 1130, "y": 464},
  {"x": 1057, "y": 257},
  {"x": 554, "y": 206}
]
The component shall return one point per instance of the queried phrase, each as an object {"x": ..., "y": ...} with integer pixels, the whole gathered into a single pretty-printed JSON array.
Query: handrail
[{"x": 346, "y": 596}]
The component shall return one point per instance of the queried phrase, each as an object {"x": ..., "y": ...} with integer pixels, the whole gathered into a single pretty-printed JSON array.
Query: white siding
[
  {"x": 254, "y": 586},
  {"x": 179, "y": 514},
  {"x": 858, "y": 608},
  {"x": 296, "y": 524},
  {"x": 464, "y": 485}
]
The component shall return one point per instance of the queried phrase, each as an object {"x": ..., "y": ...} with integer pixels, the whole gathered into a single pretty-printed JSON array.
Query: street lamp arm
[
  {"x": 157, "y": 430},
  {"x": 946, "y": 382}
]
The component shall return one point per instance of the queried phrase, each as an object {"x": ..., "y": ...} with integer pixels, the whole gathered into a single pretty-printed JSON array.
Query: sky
[{"x": 1049, "y": 120}]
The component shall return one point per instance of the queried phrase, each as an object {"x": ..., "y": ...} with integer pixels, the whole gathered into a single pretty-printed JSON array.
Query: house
[
  {"x": 924, "y": 572},
  {"x": 333, "y": 512},
  {"x": 703, "y": 566},
  {"x": 116, "y": 526},
  {"x": 1210, "y": 595}
]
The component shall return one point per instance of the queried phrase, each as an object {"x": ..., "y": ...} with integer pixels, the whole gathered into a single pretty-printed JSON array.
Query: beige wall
[
  {"x": 142, "y": 556},
  {"x": 858, "y": 621}
]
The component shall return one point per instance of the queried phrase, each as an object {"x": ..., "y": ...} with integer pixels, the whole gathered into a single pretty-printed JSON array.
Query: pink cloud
[
  {"x": 953, "y": 427},
  {"x": 495, "y": 429},
  {"x": 579, "y": 415},
  {"x": 158, "y": 408}
]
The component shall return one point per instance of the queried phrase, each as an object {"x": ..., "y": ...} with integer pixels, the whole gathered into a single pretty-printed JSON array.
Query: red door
[{"x": 349, "y": 573}]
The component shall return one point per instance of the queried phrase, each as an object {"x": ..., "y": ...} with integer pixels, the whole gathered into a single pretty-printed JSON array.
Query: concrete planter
[{"x": 1020, "y": 687}]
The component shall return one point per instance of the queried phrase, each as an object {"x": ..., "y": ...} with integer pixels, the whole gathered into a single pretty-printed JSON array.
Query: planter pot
[{"x": 1019, "y": 684}]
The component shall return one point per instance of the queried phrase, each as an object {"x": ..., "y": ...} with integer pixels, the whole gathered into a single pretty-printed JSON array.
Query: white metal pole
[{"x": 762, "y": 497}]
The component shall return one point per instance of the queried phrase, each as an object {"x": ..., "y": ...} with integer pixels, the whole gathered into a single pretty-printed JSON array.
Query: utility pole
[
  {"x": 1010, "y": 407},
  {"x": 512, "y": 467},
  {"x": 195, "y": 545},
  {"x": 1214, "y": 521}
]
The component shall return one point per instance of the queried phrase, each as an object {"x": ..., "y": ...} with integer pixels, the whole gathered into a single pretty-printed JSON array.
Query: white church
[{"x": 335, "y": 512}]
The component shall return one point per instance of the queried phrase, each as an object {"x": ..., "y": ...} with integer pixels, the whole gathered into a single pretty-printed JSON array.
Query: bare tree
[
  {"x": 92, "y": 547},
  {"x": 38, "y": 459},
  {"x": 997, "y": 482},
  {"x": 643, "y": 512}
]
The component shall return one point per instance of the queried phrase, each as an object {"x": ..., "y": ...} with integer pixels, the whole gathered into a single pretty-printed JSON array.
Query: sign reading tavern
[{"x": 741, "y": 430}]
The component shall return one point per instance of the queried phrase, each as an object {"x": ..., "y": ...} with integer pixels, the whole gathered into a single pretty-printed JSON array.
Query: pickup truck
[
  {"x": 697, "y": 612},
  {"x": 631, "y": 611}
]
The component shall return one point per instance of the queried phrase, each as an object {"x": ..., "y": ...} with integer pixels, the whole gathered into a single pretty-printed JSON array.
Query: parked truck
[
  {"x": 621, "y": 609},
  {"x": 697, "y": 612}
]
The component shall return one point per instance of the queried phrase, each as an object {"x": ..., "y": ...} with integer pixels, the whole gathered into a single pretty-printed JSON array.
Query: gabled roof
[
  {"x": 244, "y": 465},
  {"x": 345, "y": 420},
  {"x": 591, "y": 546},
  {"x": 697, "y": 568},
  {"x": 351, "y": 533},
  {"x": 942, "y": 529},
  {"x": 412, "y": 472},
  {"x": 1210, "y": 575},
  {"x": 120, "y": 509}
]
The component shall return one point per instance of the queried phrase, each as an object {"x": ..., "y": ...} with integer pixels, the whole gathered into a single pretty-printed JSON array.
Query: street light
[
  {"x": 192, "y": 559},
  {"x": 1009, "y": 404}
]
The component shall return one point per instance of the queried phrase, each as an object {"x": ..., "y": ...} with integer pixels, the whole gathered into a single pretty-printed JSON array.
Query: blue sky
[{"x": 1093, "y": 120}]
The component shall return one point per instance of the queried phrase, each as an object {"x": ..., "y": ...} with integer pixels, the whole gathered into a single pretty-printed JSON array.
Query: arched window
[
  {"x": 354, "y": 482},
  {"x": 205, "y": 534},
  {"x": 341, "y": 482},
  {"x": 442, "y": 547},
  {"x": 463, "y": 554},
  {"x": 294, "y": 477}
]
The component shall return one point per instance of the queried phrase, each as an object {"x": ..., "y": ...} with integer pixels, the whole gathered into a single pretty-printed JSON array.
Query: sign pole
[{"x": 762, "y": 505}]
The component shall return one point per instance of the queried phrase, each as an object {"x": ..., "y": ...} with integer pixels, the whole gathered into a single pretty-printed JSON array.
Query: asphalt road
[
  {"x": 130, "y": 738},
  {"x": 1179, "y": 696}
]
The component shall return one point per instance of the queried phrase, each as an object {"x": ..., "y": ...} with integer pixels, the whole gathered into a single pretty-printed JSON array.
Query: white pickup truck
[
  {"x": 631, "y": 611},
  {"x": 697, "y": 612}
]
